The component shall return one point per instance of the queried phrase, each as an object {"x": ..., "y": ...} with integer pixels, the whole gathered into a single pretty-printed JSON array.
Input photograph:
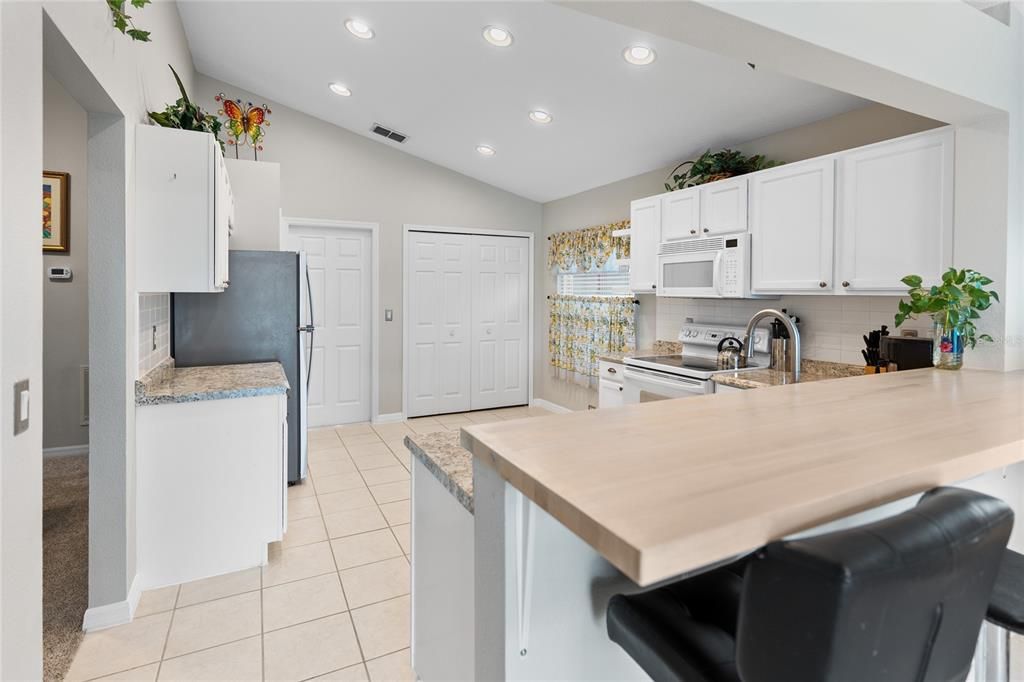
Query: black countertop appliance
[{"x": 906, "y": 352}]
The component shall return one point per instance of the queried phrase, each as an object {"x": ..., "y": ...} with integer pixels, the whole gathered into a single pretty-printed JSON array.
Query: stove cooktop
[
  {"x": 693, "y": 366},
  {"x": 680, "y": 362}
]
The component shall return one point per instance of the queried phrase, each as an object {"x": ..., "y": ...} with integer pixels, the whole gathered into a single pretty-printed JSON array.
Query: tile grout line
[{"x": 167, "y": 637}]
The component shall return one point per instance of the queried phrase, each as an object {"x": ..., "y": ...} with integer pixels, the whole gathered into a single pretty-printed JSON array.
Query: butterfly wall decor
[{"x": 245, "y": 123}]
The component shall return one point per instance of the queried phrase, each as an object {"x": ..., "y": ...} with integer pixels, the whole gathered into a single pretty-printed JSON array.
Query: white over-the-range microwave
[{"x": 710, "y": 267}]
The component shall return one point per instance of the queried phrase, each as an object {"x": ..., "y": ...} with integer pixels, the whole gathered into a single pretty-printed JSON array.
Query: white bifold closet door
[{"x": 468, "y": 322}]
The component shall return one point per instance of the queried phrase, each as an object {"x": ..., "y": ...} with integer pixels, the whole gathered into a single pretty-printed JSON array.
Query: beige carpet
[{"x": 65, "y": 560}]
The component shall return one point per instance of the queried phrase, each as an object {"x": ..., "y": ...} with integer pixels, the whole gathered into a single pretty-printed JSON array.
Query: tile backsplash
[
  {"x": 831, "y": 327},
  {"x": 154, "y": 310}
]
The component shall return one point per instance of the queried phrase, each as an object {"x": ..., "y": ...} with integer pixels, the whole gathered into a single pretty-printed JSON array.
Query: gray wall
[
  {"x": 610, "y": 203},
  {"x": 65, "y": 304},
  {"x": 330, "y": 173}
]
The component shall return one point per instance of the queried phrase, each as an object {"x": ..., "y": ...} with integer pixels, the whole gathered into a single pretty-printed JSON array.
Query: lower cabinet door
[{"x": 609, "y": 394}]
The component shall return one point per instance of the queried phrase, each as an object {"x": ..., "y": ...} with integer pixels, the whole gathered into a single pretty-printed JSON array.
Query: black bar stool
[{"x": 899, "y": 600}]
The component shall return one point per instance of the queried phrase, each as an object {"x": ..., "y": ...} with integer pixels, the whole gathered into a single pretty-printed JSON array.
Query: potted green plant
[
  {"x": 711, "y": 166},
  {"x": 185, "y": 115},
  {"x": 953, "y": 305}
]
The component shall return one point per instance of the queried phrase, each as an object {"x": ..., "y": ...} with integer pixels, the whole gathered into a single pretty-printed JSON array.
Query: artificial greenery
[
  {"x": 954, "y": 304},
  {"x": 186, "y": 115},
  {"x": 123, "y": 21},
  {"x": 711, "y": 166}
]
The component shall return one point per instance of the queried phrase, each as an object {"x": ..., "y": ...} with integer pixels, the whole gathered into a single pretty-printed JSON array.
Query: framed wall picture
[{"x": 56, "y": 234}]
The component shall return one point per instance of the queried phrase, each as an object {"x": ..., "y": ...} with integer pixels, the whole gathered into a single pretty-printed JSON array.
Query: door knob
[
  {"x": 846, "y": 284},
  {"x": 451, "y": 332},
  {"x": 488, "y": 331},
  {"x": 822, "y": 284}
]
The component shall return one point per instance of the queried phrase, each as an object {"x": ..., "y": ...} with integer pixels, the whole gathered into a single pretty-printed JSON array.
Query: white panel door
[
  {"x": 723, "y": 206},
  {"x": 791, "y": 227},
  {"x": 340, "y": 285},
  {"x": 680, "y": 215},
  {"x": 501, "y": 326},
  {"x": 644, "y": 230},
  {"x": 896, "y": 213},
  {"x": 438, "y": 323}
]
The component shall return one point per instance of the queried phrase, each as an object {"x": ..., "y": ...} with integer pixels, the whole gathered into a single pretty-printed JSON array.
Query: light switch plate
[
  {"x": 21, "y": 405},
  {"x": 389, "y": 315}
]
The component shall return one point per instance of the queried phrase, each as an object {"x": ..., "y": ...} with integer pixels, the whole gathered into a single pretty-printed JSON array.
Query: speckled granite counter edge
[
  {"x": 464, "y": 497},
  {"x": 811, "y": 370},
  {"x": 164, "y": 372}
]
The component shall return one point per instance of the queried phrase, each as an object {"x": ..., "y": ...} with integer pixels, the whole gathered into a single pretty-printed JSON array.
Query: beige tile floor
[{"x": 331, "y": 604}]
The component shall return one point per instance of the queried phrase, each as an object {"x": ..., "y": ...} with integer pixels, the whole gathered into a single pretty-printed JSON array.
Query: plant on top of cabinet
[
  {"x": 123, "y": 21},
  {"x": 185, "y": 115},
  {"x": 711, "y": 166},
  {"x": 953, "y": 306}
]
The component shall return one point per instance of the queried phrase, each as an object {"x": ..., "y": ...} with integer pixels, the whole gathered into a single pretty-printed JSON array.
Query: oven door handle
[
  {"x": 716, "y": 275},
  {"x": 677, "y": 383}
]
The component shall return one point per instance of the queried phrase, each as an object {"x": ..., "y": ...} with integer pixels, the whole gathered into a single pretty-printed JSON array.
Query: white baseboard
[
  {"x": 66, "y": 450},
  {"x": 550, "y": 406},
  {"x": 118, "y": 613},
  {"x": 390, "y": 418}
]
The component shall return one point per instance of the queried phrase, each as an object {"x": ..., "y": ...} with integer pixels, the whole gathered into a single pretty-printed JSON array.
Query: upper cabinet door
[
  {"x": 723, "y": 206},
  {"x": 680, "y": 215},
  {"x": 791, "y": 227},
  {"x": 895, "y": 213},
  {"x": 645, "y": 223}
]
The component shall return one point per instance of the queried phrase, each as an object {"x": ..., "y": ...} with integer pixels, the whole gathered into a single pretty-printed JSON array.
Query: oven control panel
[{"x": 710, "y": 335}]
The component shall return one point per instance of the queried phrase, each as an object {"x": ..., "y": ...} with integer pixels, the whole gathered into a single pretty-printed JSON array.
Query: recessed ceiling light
[
  {"x": 340, "y": 89},
  {"x": 497, "y": 36},
  {"x": 640, "y": 55},
  {"x": 540, "y": 116},
  {"x": 358, "y": 28},
  {"x": 485, "y": 150}
]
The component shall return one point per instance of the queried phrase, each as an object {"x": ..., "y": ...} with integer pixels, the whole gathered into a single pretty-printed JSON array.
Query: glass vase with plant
[{"x": 953, "y": 305}]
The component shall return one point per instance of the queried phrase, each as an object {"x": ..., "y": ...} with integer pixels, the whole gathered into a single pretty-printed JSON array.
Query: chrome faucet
[{"x": 794, "y": 337}]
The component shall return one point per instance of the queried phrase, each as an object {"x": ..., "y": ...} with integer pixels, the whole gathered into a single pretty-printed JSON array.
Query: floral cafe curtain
[{"x": 583, "y": 327}]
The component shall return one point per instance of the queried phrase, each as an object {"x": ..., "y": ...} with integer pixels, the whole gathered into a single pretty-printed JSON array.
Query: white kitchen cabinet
[
  {"x": 792, "y": 219},
  {"x": 183, "y": 211},
  {"x": 211, "y": 486},
  {"x": 895, "y": 213},
  {"x": 645, "y": 228},
  {"x": 680, "y": 215},
  {"x": 256, "y": 188},
  {"x": 609, "y": 390},
  {"x": 723, "y": 206}
]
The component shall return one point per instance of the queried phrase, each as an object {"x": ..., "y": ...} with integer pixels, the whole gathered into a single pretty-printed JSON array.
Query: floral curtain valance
[
  {"x": 584, "y": 327},
  {"x": 587, "y": 248}
]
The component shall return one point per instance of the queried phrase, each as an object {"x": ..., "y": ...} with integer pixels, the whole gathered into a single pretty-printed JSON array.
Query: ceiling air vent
[{"x": 393, "y": 135}]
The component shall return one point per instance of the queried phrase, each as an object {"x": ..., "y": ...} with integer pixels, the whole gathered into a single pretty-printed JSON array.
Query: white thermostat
[{"x": 59, "y": 273}]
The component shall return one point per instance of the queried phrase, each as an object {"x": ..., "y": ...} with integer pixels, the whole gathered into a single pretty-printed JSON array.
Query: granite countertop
[
  {"x": 811, "y": 370},
  {"x": 659, "y": 348},
  {"x": 169, "y": 384},
  {"x": 450, "y": 463}
]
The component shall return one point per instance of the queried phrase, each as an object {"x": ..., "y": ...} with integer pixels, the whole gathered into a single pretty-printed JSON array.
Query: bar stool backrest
[{"x": 900, "y": 600}]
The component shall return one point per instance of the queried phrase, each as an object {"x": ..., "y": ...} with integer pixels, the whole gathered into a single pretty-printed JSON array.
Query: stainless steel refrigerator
[{"x": 258, "y": 318}]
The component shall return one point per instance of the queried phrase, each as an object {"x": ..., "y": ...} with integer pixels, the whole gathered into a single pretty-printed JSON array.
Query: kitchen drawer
[{"x": 610, "y": 371}]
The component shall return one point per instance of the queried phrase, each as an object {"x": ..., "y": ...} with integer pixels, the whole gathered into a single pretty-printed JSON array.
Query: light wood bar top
[{"x": 663, "y": 488}]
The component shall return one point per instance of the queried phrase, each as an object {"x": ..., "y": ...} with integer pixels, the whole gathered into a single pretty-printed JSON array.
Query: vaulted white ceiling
[{"x": 429, "y": 73}]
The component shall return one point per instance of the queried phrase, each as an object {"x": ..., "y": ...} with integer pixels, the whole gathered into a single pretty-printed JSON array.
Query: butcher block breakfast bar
[{"x": 571, "y": 509}]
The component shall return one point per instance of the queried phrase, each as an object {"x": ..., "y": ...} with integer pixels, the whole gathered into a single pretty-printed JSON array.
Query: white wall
[
  {"x": 65, "y": 303},
  {"x": 21, "y": 338},
  {"x": 108, "y": 73},
  {"x": 659, "y": 319},
  {"x": 330, "y": 173}
]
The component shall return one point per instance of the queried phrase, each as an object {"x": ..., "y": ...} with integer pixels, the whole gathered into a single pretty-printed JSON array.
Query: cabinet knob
[
  {"x": 706, "y": 230},
  {"x": 611, "y": 370},
  {"x": 822, "y": 284},
  {"x": 654, "y": 286},
  {"x": 693, "y": 231},
  {"x": 846, "y": 284},
  {"x": 620, "y": 388}
]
